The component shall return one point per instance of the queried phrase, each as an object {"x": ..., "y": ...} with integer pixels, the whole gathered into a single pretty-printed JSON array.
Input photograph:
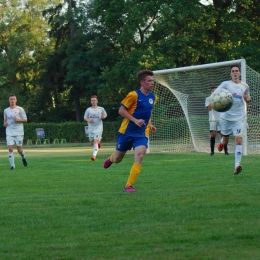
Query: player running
[
  {"x": 94, "y": 115},
  {"x": 234, "y": 120},
  {"x": 14, "y": 117},
  {"x": 136, "y": 109}
]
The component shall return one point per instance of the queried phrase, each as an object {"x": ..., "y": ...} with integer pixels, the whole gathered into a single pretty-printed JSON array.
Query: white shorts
[
  {"x": 11, "y": 140},
  {"x": 215, "y": 126},
  {"x": 94, "y": 136},
  {"x": 237, "y": 128}
]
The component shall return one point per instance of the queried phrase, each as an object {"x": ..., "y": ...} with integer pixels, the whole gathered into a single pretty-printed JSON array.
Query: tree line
[{"x": 56, "y": 54}]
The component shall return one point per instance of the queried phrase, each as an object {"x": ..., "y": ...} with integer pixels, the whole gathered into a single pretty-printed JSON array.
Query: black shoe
[
  {"x": 212, "y": 153},
  {"x": 226, "y": 153},
  {"x": 24, "y": 162},
  {"x": 12, "y": 168}
]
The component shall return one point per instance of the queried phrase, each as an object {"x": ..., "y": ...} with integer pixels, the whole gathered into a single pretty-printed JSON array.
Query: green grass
[{"x": 188, "y": 206}]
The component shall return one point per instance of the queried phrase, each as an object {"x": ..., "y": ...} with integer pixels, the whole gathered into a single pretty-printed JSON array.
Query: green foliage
[
  {"x": 55, "y": 55},
  {"x": 73, "y": 132}
]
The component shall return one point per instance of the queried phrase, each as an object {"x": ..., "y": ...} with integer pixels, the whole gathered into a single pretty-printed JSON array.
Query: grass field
[{"x": 188, "y": 206}]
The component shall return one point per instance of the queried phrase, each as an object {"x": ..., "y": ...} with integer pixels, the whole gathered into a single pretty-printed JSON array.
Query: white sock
[
  {"x": 221, "y": 140},
  {"x": 95, "y": 149},
  {"x": 238, "y": 155},
  {"x": 11, "y": 159}
]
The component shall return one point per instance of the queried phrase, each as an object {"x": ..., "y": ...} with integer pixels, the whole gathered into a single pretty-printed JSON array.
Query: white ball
[{"x": 221, "y": 100}]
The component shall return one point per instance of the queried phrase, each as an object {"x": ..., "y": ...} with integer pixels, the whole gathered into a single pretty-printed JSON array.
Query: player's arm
[
  {"x": 86, "y": 117},
  {"x": 152, "y": 128},
  {"x": 103, "y": 114},
  {"x": 89, "y": 120},
  {"x": 124, "y": 113},
  {"x": 22, "y": 116},
  {"x": 247, "y": 98},
  {"x": 5, "y": 123},
  {"x": 207, "y": 104},
  {"x": 20, "y": 120}
]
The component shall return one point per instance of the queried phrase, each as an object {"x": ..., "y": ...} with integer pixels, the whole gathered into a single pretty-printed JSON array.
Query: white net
[{"x": 181, "y": 117}]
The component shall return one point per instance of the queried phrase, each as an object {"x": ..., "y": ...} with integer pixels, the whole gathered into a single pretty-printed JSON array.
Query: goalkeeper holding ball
[
  {"x": 234, "y": 120},
  {"x": 136, "y": 109}
]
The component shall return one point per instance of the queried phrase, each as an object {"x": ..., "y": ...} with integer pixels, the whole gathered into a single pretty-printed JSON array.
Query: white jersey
[
  {"x": 238, "y": 110},
  {"x": 14, "y": 128},
  {"x": 213, "y": 114},
  {"x": 95, "y": 114}
]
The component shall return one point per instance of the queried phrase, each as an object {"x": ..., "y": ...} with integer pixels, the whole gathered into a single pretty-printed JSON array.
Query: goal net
[{"x": 180, "y": 116}]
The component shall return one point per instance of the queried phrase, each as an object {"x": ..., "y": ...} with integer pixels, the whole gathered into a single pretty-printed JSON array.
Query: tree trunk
[{"x": 78, "y": 109}]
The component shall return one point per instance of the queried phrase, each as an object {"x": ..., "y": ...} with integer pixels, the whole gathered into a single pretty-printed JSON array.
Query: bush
[{"x": 73, "y": 132}]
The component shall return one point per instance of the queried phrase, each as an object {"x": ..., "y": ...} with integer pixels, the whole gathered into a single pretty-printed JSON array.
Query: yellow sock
[
  {"x": 135, "y": 170},
  {"x": 111, "y": 158}
]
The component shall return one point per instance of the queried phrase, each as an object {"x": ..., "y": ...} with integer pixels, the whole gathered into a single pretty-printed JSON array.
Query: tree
[
  {"x": 167, "y": 34},
  {"x": 97, "y": 46},
  {"x": 23, "y": 46}
]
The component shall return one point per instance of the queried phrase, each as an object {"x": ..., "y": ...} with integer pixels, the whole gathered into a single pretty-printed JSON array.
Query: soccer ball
[{"x": 221, "y": 100}]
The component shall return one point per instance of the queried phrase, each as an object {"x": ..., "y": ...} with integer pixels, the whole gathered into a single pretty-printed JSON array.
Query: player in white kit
[
  {"x": 214, "y": 124},
  {"x": 14, "y": 117},
  {"x": 234, "y": 120},
  {"x": 94, "y": 115}
]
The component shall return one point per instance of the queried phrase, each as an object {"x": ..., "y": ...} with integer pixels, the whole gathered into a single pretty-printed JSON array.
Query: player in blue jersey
[{"x": 136, "y": 109}]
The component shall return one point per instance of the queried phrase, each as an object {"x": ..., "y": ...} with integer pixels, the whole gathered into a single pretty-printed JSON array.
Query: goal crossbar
[{"x": 203, "y": 66}]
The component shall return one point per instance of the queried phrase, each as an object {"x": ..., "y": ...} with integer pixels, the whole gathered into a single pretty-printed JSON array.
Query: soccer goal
[{"x": 181, "y": 117}]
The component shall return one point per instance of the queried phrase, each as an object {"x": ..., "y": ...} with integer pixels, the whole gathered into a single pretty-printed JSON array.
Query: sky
[{"x": 206, "y": 2}]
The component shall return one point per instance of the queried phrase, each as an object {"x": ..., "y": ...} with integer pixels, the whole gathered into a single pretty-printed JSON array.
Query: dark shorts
[{"x": 125, "y": 142}]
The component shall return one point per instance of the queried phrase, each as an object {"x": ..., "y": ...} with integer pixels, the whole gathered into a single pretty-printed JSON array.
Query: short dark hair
[
  {"x": 94, "y": 96},
  {"x": 213, "y": 87},
  {"x": 12, "y": 95},
  {"x": 142, "y": 74},
  {"x": 235, "y": 65}
]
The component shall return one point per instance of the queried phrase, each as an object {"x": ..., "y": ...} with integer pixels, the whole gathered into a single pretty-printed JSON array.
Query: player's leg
[
  {"x": 92, "y": 142},
  {"x": 238, "y": 155},
  {"x": 218, "y": 129},
  {"x": 10, "y": 142},
  {"x": 95, "y": 150},
  {"x": 238, "y": 133},
  {"x": 225, "y": 132},
  {"x": 19, "y": 142},
  {"x": 95, "y": 138},
  {"x": 116, "y": 157},
  {"x": 224, "y": 145},
  {"x": 21, "y": 152},
  {"x": 11, "y": 156},
  {"x": 140, "y": 146},
  {"x": 212, "y": 138},
  {"x": 226, "y": 148},
  {"x": 123, "y": 144},
  {"x": 139, "y": 153}
]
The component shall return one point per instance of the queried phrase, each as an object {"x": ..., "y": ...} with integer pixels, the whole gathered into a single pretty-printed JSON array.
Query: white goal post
[{"x": 181, "y": 117}]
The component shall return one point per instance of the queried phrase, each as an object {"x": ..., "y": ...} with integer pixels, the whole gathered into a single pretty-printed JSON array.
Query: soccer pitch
[{"x": 63, "y": 206}]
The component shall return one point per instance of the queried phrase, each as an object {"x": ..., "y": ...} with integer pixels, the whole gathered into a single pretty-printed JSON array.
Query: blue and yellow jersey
[{"x": 139, "y": 106}]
